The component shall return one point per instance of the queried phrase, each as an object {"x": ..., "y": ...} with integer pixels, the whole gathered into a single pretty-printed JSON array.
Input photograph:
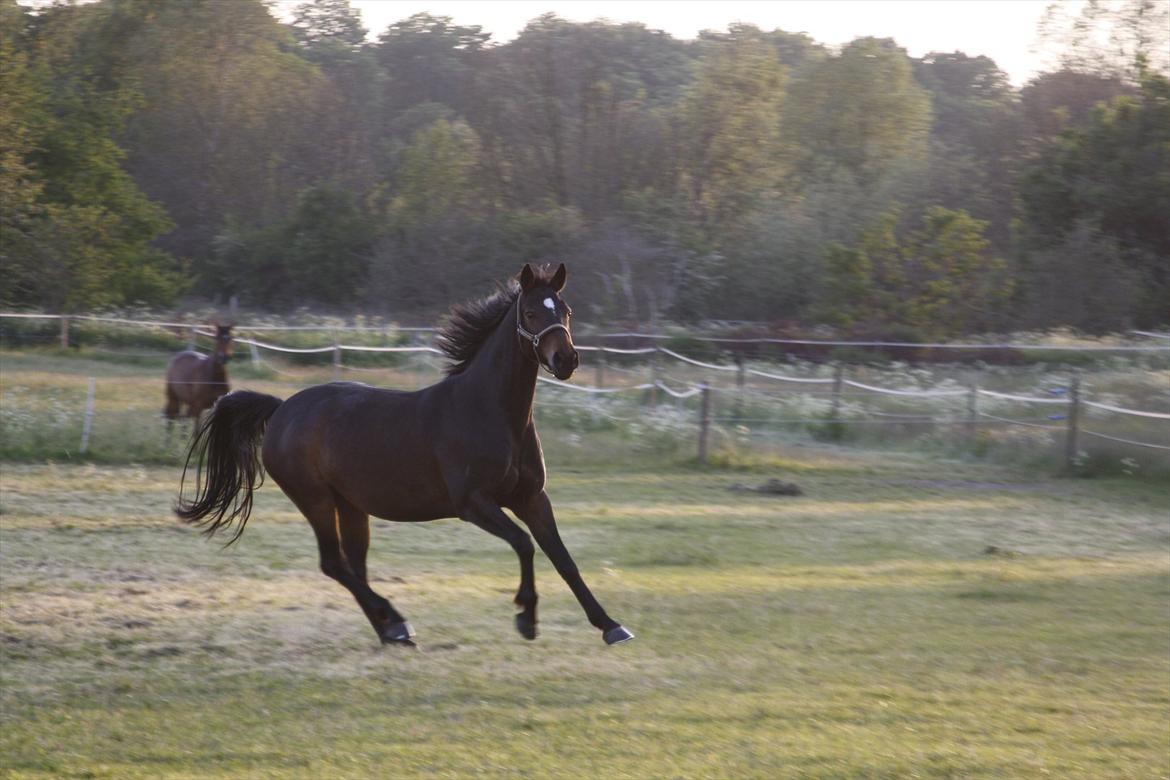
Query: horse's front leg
[
  {"x": 537, "y": 514},
  {"x": 485, "y": 513}
]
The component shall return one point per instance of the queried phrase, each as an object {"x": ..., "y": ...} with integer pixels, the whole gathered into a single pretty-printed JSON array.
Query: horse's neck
[{"x": 505, "y": 373}]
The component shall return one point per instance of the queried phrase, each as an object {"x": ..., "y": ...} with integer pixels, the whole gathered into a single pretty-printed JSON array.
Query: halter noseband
[{"x": 536, "y": 337}]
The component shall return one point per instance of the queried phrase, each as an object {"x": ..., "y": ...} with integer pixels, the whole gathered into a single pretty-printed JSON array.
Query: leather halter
[{"x": 535, "y": 338}]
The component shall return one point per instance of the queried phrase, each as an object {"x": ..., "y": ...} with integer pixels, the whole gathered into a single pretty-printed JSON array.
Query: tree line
[{"x": 198, "y": 149}]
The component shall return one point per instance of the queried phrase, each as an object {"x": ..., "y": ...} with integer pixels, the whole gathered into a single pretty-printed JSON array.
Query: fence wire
[{"x": 845, "y": 409}]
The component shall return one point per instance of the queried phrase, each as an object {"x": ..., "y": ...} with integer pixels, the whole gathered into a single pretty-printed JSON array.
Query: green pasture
[{"x": 906, "y": 617}]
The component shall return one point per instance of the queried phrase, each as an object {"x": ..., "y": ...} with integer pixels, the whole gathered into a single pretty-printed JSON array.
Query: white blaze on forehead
[{"x": 548, "y": 304}]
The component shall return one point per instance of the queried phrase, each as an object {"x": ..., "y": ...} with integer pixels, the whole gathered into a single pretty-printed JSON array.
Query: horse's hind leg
[
  {"x": 171, "y": 410},
  {"x": 353, "y": 530},
  {"x": 324, "y": 513}
]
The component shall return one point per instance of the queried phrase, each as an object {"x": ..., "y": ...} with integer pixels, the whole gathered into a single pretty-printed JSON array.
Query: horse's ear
[
  {"x": 527, "y": 277},
  {"x": 558, "y": 280}
]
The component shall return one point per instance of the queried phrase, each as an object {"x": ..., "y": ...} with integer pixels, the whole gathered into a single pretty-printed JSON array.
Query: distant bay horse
[
  {"x": 465, "y": 447},
  {"x": 197, "y": 381}
]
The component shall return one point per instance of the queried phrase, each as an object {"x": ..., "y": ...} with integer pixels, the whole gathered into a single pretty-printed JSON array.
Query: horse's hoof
[
  {"x": 617, "y": 635},
  {"x": 398, "y": 634},
  {"x": 526, "y": 626},
  {"x": 398, "y": 642}
]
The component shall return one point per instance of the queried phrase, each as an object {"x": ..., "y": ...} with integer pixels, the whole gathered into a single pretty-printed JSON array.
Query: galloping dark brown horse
[
  {"x": 198, "y": 380},
  {"x": 465, "y": 447}
]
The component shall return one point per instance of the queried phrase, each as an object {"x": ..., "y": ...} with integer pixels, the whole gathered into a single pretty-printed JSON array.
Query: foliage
[
  {"x": 938, "y": 280},
  {"x": 730, "y": 120},
  {"x": 1083, "y": 280},
  {"x": 862, "y": 111},
  {"x": 1111, "y": 176},
  {"x": 76, "y": 229},
  {"x": 209, "y": 147},
  {"x": 317, "y": 253}
]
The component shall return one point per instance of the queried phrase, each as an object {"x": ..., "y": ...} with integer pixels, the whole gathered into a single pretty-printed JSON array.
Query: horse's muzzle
[{"x": 564, "y": 364}]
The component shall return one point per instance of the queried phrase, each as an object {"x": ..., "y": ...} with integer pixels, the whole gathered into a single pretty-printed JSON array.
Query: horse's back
[
  {"x": 370, "y": 445},
  {"x": 183, "y": 363},
  {"x": 182, "y": 374}
]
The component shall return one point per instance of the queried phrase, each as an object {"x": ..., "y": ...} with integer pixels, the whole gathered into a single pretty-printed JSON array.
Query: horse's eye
[{"x": 529, "y": 314}]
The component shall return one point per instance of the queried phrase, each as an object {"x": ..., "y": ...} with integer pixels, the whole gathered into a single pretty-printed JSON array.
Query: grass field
[{"x": 908, "y": 617}]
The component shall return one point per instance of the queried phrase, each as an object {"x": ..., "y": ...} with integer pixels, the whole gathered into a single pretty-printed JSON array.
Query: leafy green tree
[
  {"x": 23, "y": 116},
  {"x": 347, "y": 111},
  {"x": 937, "y": 280},
  {"x": 1063, "y": 100},
  {"x": 862, "y": 110},
  {"x": 579, "y": 114},
  {"x": 226, "y": 129},
  {"x": 429, "y": 59},
  {"x": 437, "y": 175},
  {"x": 975, "y": 143},
  {"x": 1084, "y": 281},
  {"x": 434, "y": 217},
  {"x": 730, "y": 124},
  {"x": 77, "y": 230},
  {"x": 318, "y": 254},
  {"x": 848, "y": 289},
  {"x": 1113, "y": 175}
]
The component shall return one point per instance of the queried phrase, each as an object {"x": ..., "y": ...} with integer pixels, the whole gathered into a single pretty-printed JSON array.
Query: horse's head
[
  {"x": 223, "y": 343},
  {"x": 542, "y": 321}
]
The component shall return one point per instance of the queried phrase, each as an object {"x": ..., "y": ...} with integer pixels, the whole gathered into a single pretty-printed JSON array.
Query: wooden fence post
[
  {"x": 64, "y": 332},
  {"x": 838, "y": 383},
  {"x": 704, "y": 421},
  {"x": 87, "y": 421},
  {"x": 654, "y": 377},
  {"x": 191, "y": 338},
  {"x": 1074, "y": 413},
  {"x": 740, "y": 382},
  {"x": 973, "y": 412},
  {"x": 336, "y": 360},
  {"x": 599, "y": 381}
]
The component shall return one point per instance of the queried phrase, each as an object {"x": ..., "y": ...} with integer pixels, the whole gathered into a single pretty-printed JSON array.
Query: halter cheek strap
[{"x": 535, "y": 338}]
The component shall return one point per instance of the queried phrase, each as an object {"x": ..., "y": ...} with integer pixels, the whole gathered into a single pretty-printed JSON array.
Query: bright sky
[{"x": 1004, "y": 30}]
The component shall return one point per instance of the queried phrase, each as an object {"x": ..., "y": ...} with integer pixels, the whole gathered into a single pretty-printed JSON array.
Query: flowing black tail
[{"x": 228, "y": 442}]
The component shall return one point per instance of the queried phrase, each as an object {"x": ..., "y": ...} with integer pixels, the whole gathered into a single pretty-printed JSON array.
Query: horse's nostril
[{"x": 576, "y": 358}]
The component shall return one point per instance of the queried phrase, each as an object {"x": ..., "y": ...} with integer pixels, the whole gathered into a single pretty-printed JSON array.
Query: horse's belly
[
  {"x": 394, "y": 489},
  {"x": 408, "y": 506}
]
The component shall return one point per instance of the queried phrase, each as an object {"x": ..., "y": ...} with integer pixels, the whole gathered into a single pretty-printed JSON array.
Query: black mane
[{"x": 469, "y": 324}]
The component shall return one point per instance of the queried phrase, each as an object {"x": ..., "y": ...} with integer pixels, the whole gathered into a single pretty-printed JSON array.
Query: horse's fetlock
[{"x": 333, "y": 569}]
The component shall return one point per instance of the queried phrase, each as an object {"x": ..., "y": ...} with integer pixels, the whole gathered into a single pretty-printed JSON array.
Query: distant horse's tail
[{"x": 228, "y": 443}]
